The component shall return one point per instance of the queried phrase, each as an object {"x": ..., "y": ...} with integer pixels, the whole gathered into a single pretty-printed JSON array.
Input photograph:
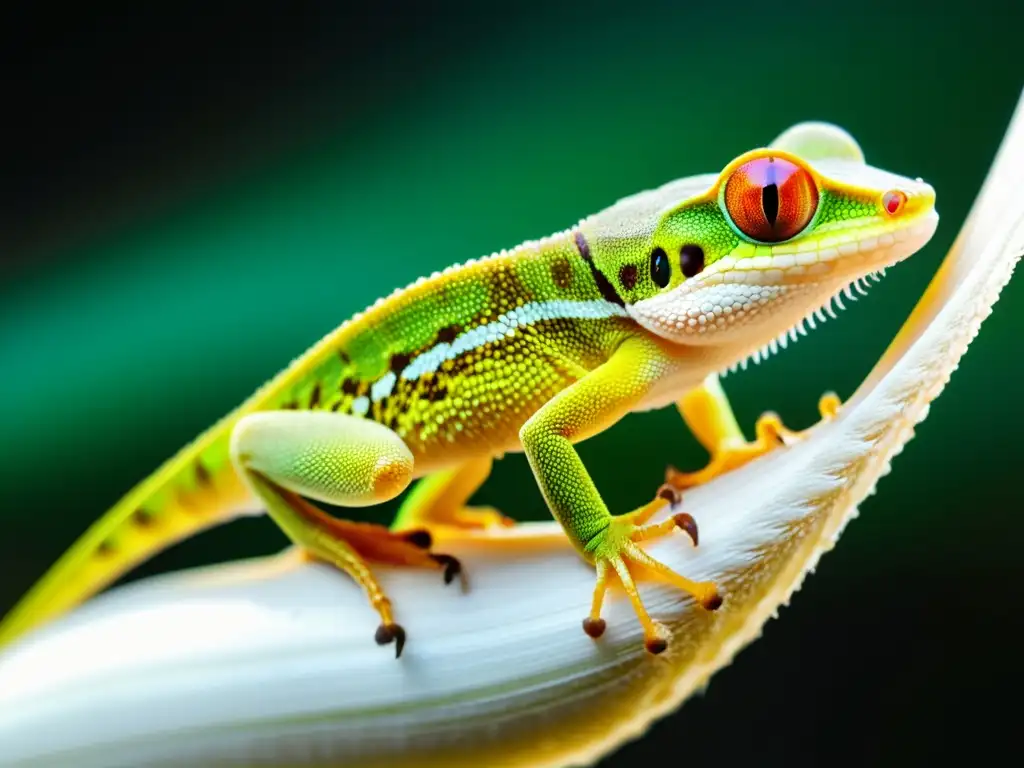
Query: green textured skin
[{"x": 476, "y": 402}]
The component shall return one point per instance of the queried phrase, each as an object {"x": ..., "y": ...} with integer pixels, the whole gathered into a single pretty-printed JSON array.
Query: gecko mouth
[
  {"x": 882, "y": 251},
  {"x": 731, "y": 302},
  {"x": 855, "y": 254}
]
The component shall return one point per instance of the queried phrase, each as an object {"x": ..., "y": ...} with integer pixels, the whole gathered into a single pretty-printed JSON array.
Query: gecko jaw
[
  {"x": 913, "y": 238},
  {"x": 745, "y": 303}
]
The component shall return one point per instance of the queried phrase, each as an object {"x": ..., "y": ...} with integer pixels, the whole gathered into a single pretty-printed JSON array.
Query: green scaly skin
[{"x": 533, "y": 349}]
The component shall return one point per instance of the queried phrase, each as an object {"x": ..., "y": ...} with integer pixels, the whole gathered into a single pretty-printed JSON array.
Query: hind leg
[
  {"x": 440, "y": 500},
  {"x": 709, "y": 416},
  {"x": 288, "y": 457}
]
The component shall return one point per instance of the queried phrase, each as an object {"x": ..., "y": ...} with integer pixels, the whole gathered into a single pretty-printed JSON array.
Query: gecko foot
[
  {"x": 770, "y": 433},
  {"x": 355, "y": 547},
  {"x": 391, "y": 633},
  {"x": 452, "y": 568},
  {"x": 423, "y": 539},
  {"x": 377, "y": 544},
  {"x": 616, "y": 549}
]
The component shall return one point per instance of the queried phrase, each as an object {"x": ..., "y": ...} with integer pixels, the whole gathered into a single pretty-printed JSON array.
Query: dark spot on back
[
  {"x": 504, "y": 283},
  {"x": 344, "y": 357},
  {"x": 291, "y": 405},
  {"x": 627, "y": 276},
  {"x": 437, "y": 390},
  {"x": 431, "y": 387},
  {"x": 603, "y": 284},
  {"x": 448, "y": 334},
  {"x": 314, "y": 396},
  {"x": 106, "y": 548},
  {"x": 202, "y": 474},
  {"x": 350, "y": 386},
  {"x": 399, "y": 362},
  {"x": 561, "y": 273},
  {"x": 142, "y": 518}
]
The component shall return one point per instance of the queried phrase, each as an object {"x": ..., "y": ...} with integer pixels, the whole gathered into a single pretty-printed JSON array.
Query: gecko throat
[{"x": 810, "y": 320}]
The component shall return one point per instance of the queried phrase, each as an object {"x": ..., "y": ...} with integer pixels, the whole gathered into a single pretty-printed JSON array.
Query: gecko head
[{"x": 743, "y": 256}]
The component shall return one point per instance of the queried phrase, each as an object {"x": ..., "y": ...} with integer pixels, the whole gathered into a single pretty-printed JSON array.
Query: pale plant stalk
[{"x": 272, "y": 662}]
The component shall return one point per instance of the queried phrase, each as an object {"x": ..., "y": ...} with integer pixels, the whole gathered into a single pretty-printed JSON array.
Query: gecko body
[{"x": 533, "y": 349}]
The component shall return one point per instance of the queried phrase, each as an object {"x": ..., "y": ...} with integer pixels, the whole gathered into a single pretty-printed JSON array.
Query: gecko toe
[
  {"x": 686, "y": 523},
  {"x": 670, "y": 493},
  {"x": 594, "y": 627},
  {"x": 656, "y": 645},
  {"x": 712, "y": 602},
  {"x": 391, "y": 633},
  {"x": 452, "y": 567}
]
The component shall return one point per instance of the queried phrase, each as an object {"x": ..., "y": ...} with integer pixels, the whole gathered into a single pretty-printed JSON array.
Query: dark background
[{"x": 192, "y": 197}]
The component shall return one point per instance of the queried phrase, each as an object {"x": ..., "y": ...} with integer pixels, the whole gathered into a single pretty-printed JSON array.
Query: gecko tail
[{"x": 182, "y": 498}]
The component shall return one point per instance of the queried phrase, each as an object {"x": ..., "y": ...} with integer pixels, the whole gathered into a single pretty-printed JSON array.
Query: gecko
[{"x": 640, "y": 306}]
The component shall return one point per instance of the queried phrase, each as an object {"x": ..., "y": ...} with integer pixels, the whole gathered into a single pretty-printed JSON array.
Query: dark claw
[
  {"x": 688, "y": 524},
  {"x": 452, "y": 567},
  {"x": 779, "y": 437},
  {"x": 712, "y": 602},
  {"x": 419, "y": 538},
  {"x": 655, "y": 645},
  {"x": 387, "y": 633},
  {"x": 670, "y": 494},
  {"x": 594, "y": 627}
]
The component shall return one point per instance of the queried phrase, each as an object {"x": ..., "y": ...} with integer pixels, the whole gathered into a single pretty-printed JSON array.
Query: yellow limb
[
  {"x": 710, "y": 418},
  {"x": 594, "y": 625},
  {"x": 589, "y": 406},
  {"x": 289, "y": 456},
  {"x": 441, "y": 498}
]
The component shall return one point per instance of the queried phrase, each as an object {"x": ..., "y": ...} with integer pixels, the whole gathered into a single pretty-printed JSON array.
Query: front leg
[
  {"x": 592, "y": 404},
  {"x": 709, "y": 416},
  {"x": 289, "y": 456}
]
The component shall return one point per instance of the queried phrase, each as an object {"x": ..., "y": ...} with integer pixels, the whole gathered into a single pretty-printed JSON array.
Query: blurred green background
[{"x": 194, "y": 199}]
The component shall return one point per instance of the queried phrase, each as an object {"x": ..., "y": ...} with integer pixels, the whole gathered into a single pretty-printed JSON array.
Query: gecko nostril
[{"x": 893, "y": 201}]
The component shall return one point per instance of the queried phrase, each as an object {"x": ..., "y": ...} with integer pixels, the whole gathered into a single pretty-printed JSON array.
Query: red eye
[{"x": 771, "y": 199}]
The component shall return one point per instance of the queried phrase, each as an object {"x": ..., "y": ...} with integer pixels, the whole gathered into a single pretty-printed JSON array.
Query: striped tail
[{"x": 196, "y": 489}]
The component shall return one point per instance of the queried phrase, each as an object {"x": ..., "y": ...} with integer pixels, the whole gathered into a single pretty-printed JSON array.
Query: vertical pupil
[{"x": 770, "y": 203}]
